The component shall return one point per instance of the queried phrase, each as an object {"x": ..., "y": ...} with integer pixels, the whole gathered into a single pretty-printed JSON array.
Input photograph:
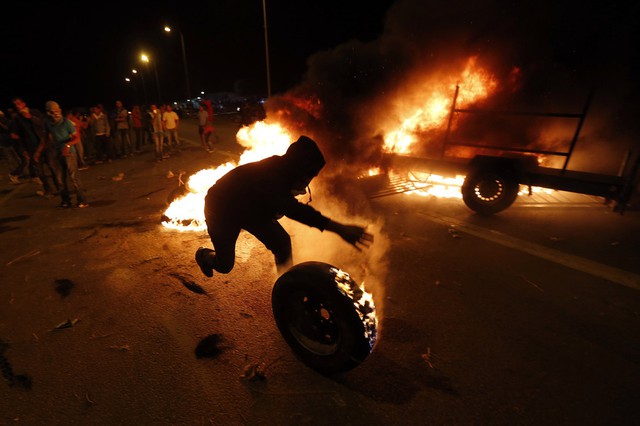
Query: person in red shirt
[
  {"x": 138, "y": 128},
  {"x": 81, "y": 128}
]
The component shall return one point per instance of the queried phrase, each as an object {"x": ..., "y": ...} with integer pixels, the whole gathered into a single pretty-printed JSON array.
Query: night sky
[{"x": 79, "y": 53}]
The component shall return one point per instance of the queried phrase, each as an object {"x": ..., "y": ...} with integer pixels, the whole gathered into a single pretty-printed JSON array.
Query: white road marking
[{"x": 600, "y": 270}]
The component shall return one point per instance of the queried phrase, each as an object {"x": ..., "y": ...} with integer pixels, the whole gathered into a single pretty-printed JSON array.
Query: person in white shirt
[{"x": 170, "y": 123}]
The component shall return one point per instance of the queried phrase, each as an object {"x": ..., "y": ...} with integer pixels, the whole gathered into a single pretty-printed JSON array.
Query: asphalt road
[{"x": 531, "y": 316}]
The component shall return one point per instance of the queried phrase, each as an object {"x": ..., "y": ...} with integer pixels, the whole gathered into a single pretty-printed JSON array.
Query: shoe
[
  {"x": 83, "y": 168},
  {"x": 82, "y": 205},
  {"x": 14, "y": 179},
  {"x": 65, "y": 205},
  {"x": 201, "y": 254}
]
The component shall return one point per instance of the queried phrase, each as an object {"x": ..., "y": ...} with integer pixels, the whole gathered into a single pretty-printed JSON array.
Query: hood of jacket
[{"x": 303, "y": 158}]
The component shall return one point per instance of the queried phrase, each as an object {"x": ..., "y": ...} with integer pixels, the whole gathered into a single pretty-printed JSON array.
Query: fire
[
  {"x": 430, "y": 113},
  {"x": 475, "y": 84},
  {"x": 260, "y": 140},
  {"x": 362, "y": 301}
]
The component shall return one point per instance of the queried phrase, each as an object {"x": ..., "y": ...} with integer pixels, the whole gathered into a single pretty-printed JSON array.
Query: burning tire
[
  {"x": 324, "y": 316},
  {"x": 488, "y": 191}
]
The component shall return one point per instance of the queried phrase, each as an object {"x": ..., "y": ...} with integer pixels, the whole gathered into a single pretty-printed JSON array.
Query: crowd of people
[{"x": 51, "y": 148}]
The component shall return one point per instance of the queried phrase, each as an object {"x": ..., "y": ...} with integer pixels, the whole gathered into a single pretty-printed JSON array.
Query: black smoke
[{"x": 547, "y": 55}]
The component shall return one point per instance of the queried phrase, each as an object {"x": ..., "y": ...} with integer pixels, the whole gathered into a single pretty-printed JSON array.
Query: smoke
[
  {"x": 367, "y": 266},
  {"x": 546, "y": 56}
]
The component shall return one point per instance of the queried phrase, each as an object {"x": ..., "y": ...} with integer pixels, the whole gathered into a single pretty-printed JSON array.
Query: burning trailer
[{"x": 490, "y": 176}]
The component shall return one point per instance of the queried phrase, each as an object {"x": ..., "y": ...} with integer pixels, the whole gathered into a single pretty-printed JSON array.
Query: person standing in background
[
  {"x": 9, "y": 153},
  {"x": 101, "y": 130},
  {"x": 28, "y": 128},
  {"x": 138, "y": 129},
  {"x": 76, "y": 118},
  {"x": 121, "y": 118},
  {"x": 158, "y": 133},
  {"x": 63, "y": 135},
  {"x": 170, "y": 122},
  {"x": 205, "y": 125}
]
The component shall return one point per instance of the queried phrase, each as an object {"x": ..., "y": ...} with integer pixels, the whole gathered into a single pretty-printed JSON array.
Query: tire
[
  {"x": 323, "y": 316},
  {"x": 490, "y": 191}
]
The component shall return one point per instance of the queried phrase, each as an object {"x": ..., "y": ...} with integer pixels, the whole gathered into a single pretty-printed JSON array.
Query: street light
[
  {"x": 144, "y": 89},
  {"x": 266, "y": 47},
  {"x": 184, "y": 61},
  {"x": 144, "y": 58}
]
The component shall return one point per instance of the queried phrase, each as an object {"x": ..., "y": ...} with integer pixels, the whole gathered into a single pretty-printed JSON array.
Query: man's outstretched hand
[{"x": 353, "y": 234}]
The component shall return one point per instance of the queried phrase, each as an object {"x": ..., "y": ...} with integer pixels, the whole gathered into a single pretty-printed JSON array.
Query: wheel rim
[
  {"x": 489, "y": 190},
  {"x": 312, "y": 323}
]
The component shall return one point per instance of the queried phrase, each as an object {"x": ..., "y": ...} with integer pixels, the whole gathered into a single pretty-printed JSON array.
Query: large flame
[
  {"x": 475, "y": 84},
  {"x": 260, "y": 140}
]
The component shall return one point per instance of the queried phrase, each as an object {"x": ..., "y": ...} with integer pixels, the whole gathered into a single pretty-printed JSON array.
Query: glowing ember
[{"x": 260, "y": 140}]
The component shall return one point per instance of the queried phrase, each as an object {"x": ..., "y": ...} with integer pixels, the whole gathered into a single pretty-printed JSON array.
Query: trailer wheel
[
  {"x": 322, "y": 316},
  {"x": 489, "y": 191}
]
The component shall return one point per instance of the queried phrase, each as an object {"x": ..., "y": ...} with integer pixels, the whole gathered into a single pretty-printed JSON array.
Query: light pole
[
  {"x": 144, "y": 58},
  {"x": 144, "y": 89},
  {"x": 184, "y": 61},
  {"x": 133, "y": 86},
  {"x": 266, "y": 47}
]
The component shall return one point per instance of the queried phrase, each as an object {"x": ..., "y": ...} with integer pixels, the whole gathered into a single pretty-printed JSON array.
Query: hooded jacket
[{"x": 262, "y": 191}]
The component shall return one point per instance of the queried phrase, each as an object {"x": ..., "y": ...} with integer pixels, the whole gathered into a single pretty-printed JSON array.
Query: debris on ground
[
  {"x": 189, "y": 284},
  {"x": 427, "y": 357},
  {"x": 66, "y": 324},
  {"x": 63, "y": 286},
  {"x": 209, "y": 347},
  {"x": 453, "y": 231},
  {"x": 257, "y": 371},
  {"x": 254, "y": 372},
  {"x": 121, "y": 348},
  {"x": 87, "y": 400},
  {"x": 532, "y": 283},
  {"x": 119, "y": 177}
]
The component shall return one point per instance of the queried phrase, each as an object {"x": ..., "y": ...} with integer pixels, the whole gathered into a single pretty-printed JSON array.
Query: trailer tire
[
  {"x": 321, "y": 315},
  {"x": 489, "y": 191}
]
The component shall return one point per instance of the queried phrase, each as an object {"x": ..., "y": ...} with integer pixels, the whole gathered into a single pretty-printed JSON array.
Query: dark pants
[
  {"x": 139, "y": 134},
  {"x": 21, "y": 168},
  {"x": 68, "y": 171},
  {"x": 48, "y": 165},
  {"x": 104, "y": 148},
  {"x": 124, "y": 142},
  {"x": 224, "y": 231}
]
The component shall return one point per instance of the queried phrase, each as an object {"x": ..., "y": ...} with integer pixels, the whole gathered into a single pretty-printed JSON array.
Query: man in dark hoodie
[{"x": 255, "y": 195}]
